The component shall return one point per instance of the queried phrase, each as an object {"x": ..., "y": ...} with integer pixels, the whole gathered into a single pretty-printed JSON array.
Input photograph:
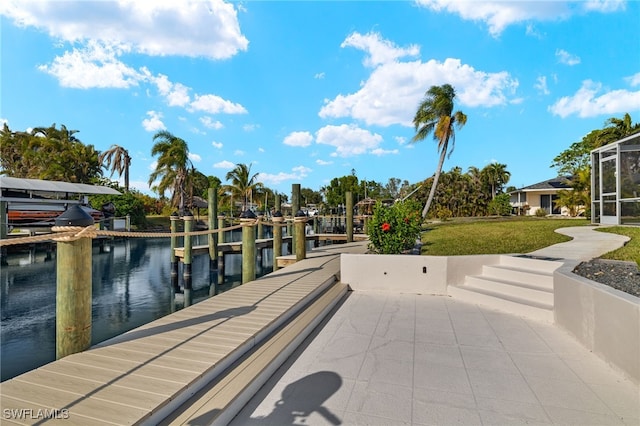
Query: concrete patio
[
  {"x": 410, "y": 359},
  {"x": 429, "y": 360}
]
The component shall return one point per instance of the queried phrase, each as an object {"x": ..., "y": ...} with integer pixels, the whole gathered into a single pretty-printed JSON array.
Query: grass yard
[
  {"x": 631, "y": 251},
  {"x": 494, "y": 235}
]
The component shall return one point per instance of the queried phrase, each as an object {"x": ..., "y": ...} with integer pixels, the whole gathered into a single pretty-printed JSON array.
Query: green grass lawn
[
  {"x": 494, "y": 235},
  {"x": 631, "y": 251}
]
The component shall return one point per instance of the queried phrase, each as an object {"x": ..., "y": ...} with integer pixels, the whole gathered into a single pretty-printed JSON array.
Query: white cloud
[
  {"x": 140, "y": 186},
  {"x": 323, "y": 163},
  {"x": 224, "y": 165},
  {"x": 498, "y": 15},
  {"x": 298, "y": 173},
  {"x": 401, "y": 140},
  {"x": 250, "y": 127},
  {"x": 238, "y": 152},
  {"x": 154, "y": 122},
  {"x": 3, "y": 121},
  {"x": 604, "y": 5},
  {"x": 209, "y": 123},
  {"x": 176, "y": 94},
  {"x": 380, "y": 152},
  {"x": 195, "y": 157},
  {"x": 302, "y": 139},
  {"x": 319, "y": 76},
  {"x": 193, "y": 28},
  {"x": 394, "y": 90},
  {"x": 380, "y": 51},
  {"x": 633, "y": 80},
  {"x": 591, "y": 100},
  {"x": 567, "y": 58},
  {"x": 216, "y": 144},
  {"x": 349, "y": 140},
  {"x": 541, "y": 85},
  {"x": 95, "y": 65},
  {"x": 261, "y": 150},
  {"x": 214, "y": 104}
]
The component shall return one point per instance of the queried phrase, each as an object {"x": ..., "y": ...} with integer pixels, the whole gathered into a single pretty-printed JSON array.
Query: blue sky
[{"x": 308, "y": 91}]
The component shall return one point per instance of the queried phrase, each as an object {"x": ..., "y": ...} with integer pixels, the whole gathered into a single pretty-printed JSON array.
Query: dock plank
[{"x": 142, "y": 374}]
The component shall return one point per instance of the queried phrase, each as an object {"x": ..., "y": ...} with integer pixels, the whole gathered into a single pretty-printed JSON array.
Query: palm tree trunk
[{"x": 432, "y": 192}]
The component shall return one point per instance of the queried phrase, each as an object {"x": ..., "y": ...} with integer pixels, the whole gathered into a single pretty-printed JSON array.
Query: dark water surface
[{"x": 131, "y": 287}]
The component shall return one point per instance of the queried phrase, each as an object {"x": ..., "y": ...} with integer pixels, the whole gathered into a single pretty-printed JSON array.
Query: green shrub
[
  {"x": 394, "y": 229},
  {"x": 541, "y": 212},
  {"x": 500, "y": 205}
]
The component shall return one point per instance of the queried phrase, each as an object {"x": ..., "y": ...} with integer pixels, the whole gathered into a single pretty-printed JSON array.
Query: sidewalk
[
  {"x": 587, "y": 244},
  {"x": 406, "y": 359}
]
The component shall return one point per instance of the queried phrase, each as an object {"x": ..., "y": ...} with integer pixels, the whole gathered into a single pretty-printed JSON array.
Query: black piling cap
[
  {"x": 74, "y": 216},
  {"x": 300, "y": 213},
  {"x": 247, "y": 214},
  {"x": 277, "y": 214}
]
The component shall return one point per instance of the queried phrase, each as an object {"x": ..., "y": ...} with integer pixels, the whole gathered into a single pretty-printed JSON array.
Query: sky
[{"x": 307, "y": 91}]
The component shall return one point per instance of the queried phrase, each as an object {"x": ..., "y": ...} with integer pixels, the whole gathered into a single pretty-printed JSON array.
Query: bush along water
[{"x": 394, "y": 229}]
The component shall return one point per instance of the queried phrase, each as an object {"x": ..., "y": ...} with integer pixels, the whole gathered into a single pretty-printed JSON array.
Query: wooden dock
[
  {"x": 202, "y": 362},
  {"x": 236, "y": 246}
]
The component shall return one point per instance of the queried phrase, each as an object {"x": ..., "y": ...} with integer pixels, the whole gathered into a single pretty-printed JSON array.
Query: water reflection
[{"x": 131, "y": 287}]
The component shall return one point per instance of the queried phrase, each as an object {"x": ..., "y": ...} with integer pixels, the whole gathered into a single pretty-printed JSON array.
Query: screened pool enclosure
[{"x": 615, "y": 182}]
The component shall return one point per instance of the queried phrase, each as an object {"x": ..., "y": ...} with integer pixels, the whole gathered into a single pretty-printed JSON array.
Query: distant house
[{"x": 542, "y": 195}]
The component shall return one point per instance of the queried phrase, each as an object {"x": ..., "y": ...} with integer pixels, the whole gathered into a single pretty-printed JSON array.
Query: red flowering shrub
[{"x": 394, "y": 229}]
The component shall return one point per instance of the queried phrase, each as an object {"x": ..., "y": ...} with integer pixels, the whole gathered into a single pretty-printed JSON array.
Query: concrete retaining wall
[
  {"x": 409, "y": 274},
  {"x": 605, "y": 320}
]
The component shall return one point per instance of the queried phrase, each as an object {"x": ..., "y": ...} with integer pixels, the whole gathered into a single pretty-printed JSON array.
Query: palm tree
[
  {"x": 496, "y": 176},
  {"x": 618, "y": 128},
  {"x": 243, "y": 183},
  {"x": 434, "y": 115},
  {"x": 118, "y": 160},
  {"x": 172, "y": 167}
]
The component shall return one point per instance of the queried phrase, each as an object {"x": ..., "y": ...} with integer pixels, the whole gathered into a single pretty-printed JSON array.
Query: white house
[{"x": 542, "y": 195}]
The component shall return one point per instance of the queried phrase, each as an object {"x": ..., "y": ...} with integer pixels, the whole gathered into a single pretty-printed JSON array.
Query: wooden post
[
  {"x": 349, "y": 206},
  {"x": 221, "y": 225},
  {"x": 212, "y": 214},
  {"x": 300, "y": 236},
  {"x": 295, "y": 208},
  {"x": 4, "y": 230},
  {"x": 247, "y": 220},
  {"x": 186, "y": 261},
  {"x": 277, "y": 238},
  {"x": 260, "y": 227},
  {"x": 73, "y": 286},
  {"x": 174, "y": 259}
]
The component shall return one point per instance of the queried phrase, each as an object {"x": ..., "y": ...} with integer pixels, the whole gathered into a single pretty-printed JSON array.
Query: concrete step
[
  {"x": 501, "y": 302},
  {"x": 534, "y": 263},
  {"x": 220, "y": 401},
  {"x": 510, "y": 288},
  {"x": 531, "y": 277}
]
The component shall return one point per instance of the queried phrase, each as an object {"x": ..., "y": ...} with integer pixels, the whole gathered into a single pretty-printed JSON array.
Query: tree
[
  {"x": 48, "y": 153},
  {"x": 435, "y": 115},
  {"x": 335, "y": 192},
  {"x": 495, "y": 175},
  {"x": 117, "y": 159},
  {"x": 172, "y": 167},
  {"x": 243, "y": 183}
]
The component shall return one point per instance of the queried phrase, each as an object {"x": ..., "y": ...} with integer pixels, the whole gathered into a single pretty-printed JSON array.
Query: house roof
[
  {"x": 560, "y": 182},
  {"x": 38, "y": 185}
]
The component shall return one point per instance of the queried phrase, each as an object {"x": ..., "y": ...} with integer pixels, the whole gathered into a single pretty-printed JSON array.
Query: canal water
[{"x": 131, "y": 287}]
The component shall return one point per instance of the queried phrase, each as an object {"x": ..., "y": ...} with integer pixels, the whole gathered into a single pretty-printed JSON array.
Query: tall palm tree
[
  {"x": 118, "y": 160},
  {"x": 172, "y": 168},
  {"x": 435, "y": 115},
  {"x": 243, "y": 183},
  {"x": 495, "y": 175}
]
